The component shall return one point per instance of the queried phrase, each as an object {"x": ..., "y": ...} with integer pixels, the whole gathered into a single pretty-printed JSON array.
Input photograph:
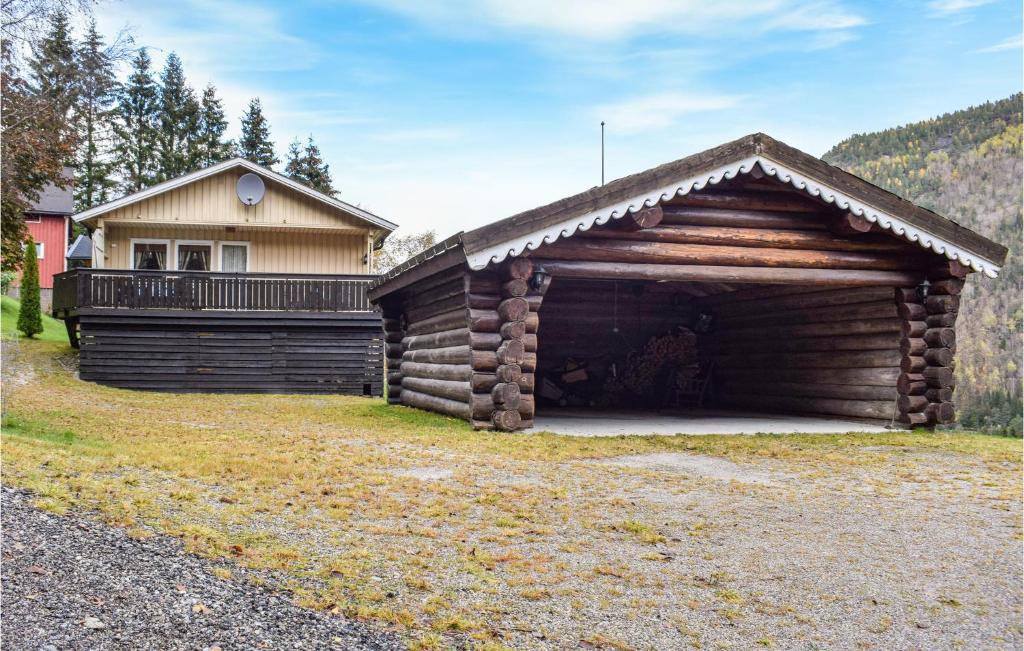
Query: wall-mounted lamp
[
  {"x": 537, "y": 279},
  {"x": 922, "y": 290},
  {"x": 366, "y": 258}
]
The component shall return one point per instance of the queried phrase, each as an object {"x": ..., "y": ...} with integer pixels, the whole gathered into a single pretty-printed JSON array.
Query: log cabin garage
[{"x": 751, "y": 276}]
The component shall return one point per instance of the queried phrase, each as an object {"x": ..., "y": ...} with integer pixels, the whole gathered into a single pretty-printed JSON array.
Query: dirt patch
[
  {"x": 424, "y": 474},
  {"x": 695, "y": 464}
]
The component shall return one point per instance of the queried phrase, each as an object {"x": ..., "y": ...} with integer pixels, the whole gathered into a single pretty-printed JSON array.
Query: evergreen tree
[
  {"x": 294, "y": 166},
  {"x": 317, "y": 172},
  {"x": 96, "y": 91},
  {"x": 212, "y": 147},
  {"x": 255, "y": 143},
  {"x": 136, "y": 126},
  {"x": 308, "y": 167},
  {"x": 53, "y": 66},
  {"x": 177, "y": 145},
  {"x": 30, "y": 319}
]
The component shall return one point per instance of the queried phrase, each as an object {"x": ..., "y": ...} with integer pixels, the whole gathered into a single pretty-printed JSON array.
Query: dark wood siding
[{"x": 238, "y": 352}]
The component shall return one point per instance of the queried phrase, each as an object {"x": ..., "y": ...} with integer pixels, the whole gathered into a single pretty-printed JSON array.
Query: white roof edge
[
  {"x": 813, "y": 187},
  {"x": 223, "y": 166}
]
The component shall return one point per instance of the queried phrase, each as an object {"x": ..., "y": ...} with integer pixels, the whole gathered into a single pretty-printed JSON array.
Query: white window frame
[
  {"x": 220, "y": 253},
  {"x": 178, "y": 243},
  {"x": 142, "y": 240},
  {"x": 40, "y": 249}
]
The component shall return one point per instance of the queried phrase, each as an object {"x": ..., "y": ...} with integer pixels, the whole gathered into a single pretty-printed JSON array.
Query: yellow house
[
  {"x": 233, "y": 278},
  {"x": 199, "y": 222}
]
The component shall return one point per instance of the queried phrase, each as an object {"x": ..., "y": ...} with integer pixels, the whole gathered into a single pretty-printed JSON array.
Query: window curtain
[
  {"x": 233, "y": 258},
  {"x": 150, "y": 256},
  {"x": 194, "y": 258}
]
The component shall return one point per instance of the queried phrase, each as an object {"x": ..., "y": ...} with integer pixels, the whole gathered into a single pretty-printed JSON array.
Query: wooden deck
[
  {"x": 219, "y": 332},
  {"x": 84, "y": 289}
]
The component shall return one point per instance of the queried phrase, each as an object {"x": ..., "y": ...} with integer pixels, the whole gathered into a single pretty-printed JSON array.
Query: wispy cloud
[
  {"x": 427, "y": 134},
  {"x": 1012, "y": 43},
  {"x": 613, "y": 20},
  {"x": 216, "y": 38},
  {"x": 946, "y": 7},
  {"x": 659, "y": 110}
]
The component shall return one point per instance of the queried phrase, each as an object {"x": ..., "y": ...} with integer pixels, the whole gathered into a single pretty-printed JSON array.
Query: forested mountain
[{"x": 965, "y": 166}]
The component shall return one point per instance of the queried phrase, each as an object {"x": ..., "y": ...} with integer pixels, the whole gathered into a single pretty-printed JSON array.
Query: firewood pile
[{"x": 655, "y": 375}]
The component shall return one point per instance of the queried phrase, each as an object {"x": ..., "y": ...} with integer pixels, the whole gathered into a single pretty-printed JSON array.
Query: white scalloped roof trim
[{"x": 817, "y": 189}]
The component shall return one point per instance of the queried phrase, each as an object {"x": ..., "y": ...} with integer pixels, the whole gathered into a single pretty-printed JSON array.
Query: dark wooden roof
[{"x": 531, "y": 221}]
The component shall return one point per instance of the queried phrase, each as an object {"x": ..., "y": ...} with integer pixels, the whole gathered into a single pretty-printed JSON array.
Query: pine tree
[
  {"x": 30, "y": 319},
  {"x": 294, "y": 167},
  {"x": 53, "y": 68},
  {"x": 179, "y": 120},
  {"x": 317, "y": 173},
  {"x": 212, "y": 124},
  {"x": 136, "y": 126},
  {"x": 306, "y": 166},
  {"x": 96, "y": 92},
  {"x": 255, "y": 144}
]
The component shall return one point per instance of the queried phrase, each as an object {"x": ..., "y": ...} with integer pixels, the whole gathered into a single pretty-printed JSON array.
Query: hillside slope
[{"x": 966, "y": 166}]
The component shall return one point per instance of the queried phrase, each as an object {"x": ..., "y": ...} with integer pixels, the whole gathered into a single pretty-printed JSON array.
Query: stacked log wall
[
  {"x": 738, "y": 236},
  {"x": 942, "y": 305},
  {"x": 829, "y": 352},
  {"x": 504, "y": 309},
  {"x": 434, "y": 356}
]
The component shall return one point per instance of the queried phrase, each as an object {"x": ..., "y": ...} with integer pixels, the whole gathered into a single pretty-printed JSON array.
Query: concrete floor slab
[{"x": 598, "y": 422}]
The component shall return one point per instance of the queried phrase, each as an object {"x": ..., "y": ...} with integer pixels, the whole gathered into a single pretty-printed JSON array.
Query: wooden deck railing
[{"x": 201, "y": 290}]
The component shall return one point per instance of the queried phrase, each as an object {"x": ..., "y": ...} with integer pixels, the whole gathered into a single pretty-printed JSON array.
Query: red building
[{"x": 49, "y": 224}]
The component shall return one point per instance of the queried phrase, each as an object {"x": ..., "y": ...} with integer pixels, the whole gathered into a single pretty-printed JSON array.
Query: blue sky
[{"x": 447, "y": 114}]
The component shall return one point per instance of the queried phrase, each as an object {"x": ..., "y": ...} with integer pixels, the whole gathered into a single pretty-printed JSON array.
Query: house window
[
  {"x": 40, "y": 248},
  {"x": 234, "y": 257},
  {"x": 32, "y": 219},
  {"x": 194, "y": 256},
  {"x": 149, "y": 254}
]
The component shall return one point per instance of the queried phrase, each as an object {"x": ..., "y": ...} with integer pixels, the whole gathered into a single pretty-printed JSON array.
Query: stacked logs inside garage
[
  {"x": 464, "y": 344},
  {"x": 812, "y": 350}
]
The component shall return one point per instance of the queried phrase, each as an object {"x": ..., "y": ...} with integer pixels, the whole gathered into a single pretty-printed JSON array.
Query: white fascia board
[{"x": 814, "y": 188}]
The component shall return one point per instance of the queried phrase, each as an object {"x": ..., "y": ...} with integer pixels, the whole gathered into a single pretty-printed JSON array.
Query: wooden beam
[
  {"x": 703, "y": 254},
  {"x": 731, "y": 218},
  {"x": 752, "y": 237},
  {"x": 704, "y": 273}
]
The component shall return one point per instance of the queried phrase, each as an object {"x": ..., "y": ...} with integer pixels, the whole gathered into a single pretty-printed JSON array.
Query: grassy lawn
[
  {"x": 455, "y": 537},
  {"x": 53, "y": 329}
]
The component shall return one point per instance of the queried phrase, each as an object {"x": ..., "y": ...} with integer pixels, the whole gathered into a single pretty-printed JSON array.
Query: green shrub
[
  {"x": 30, "y": 318},
  {"x": 6, "y": 278}
]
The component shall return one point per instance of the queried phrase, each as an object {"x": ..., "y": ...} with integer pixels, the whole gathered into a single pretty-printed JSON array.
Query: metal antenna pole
[{"x": 602, "y": 152}]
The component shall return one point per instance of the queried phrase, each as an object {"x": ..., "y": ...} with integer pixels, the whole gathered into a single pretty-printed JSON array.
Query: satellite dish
[{"x": 250, "y": 189}]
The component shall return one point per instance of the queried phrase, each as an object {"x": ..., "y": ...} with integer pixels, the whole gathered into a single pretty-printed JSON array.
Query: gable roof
[
  {"x": 250, "y": 166},
  {"x": 56, "y": 201},
  {"x": 80, "y": 249},
  {"x": 528, "y": 230}
]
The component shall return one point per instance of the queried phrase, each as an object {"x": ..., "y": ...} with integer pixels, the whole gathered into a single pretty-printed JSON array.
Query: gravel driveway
[{"x": 72, "y": 583}]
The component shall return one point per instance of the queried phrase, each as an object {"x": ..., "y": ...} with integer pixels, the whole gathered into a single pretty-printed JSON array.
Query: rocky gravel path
[{"x": 72, "y": 583}]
